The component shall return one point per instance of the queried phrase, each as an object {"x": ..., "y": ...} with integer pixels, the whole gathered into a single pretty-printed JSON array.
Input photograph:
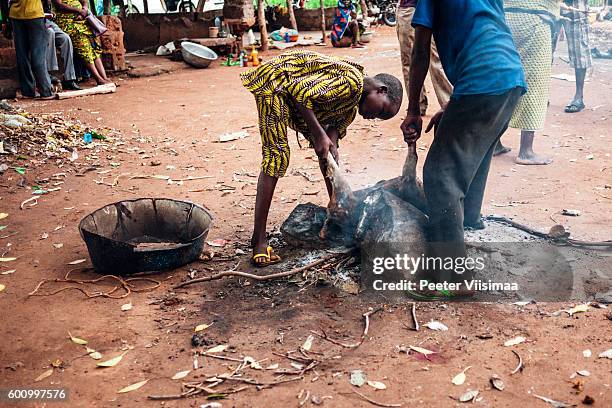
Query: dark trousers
[
  {"x": 457, "y": 165},
  {"x": 31, "y": 48}
]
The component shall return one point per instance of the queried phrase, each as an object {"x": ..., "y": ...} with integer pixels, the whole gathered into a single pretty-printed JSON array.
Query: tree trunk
[
  {"x": 324, "y": 40},
  {"x": 145, "y": 5},
  {"x": 262, "y": 25},
  {"x": 291, "y": 14},
  {"x": 364, "y": 9}
]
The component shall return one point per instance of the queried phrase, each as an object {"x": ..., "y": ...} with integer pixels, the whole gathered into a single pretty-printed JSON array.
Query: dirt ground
[{"x": 175, "y": 119}]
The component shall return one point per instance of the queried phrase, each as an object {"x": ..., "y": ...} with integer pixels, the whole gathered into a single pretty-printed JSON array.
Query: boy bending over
[{"x": 318, "y": 96}]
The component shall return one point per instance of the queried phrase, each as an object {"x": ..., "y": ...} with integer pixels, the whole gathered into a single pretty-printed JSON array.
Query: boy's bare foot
[
  {"x": 531, "y": 159},
  {"x": 358, "y": 45}
]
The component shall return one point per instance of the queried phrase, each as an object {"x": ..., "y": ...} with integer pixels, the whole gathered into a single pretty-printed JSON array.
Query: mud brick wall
[
  {"x": 239, "y": 9},
  {"x": 307, "y": 20},
  {"x": 152, "y": 30},
  {"x": 113, "y": 50},
  {"x": 8, "y": 69}
]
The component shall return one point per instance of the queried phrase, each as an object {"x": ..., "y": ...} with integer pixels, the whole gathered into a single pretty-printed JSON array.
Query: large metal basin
[
  {"x": 197, "y": 55},
  {"x": 146, "y": 234}
]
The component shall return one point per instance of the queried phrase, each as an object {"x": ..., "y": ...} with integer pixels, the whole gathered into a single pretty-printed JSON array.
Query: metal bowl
[
  {"x": 146, "y": 234},
  {"x": 197, "y": 55}
]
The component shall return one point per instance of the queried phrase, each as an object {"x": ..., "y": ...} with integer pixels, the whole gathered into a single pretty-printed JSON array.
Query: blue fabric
[{"x": 475, "y": 45}]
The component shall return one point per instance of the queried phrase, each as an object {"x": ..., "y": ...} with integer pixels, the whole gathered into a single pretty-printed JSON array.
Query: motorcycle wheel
[{"x": 389, "y": 15}]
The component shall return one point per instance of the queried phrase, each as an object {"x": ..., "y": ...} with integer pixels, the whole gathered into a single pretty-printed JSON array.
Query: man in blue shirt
[{"x": 482, "y": 64}]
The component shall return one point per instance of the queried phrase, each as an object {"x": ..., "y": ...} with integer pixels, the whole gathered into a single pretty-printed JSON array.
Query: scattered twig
[
  {"x": 264, "y": 277},
  {"x": 24, "y": 202},
  {"x": 520, "y": 365},
  {"x": 220, "y": 357},
  {"x": 371, "y": 401},
  {"x": 127, "y": 285},
  {"x": 544, "y": 235},
  {"x": 366, "y": 328},
  {"x": 414, "y": 317},
  {"x": 305, "y": 400}
]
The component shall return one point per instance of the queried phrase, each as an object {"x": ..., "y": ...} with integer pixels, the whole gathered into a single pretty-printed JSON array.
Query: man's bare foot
[
  {"x": 357, "y": 45},
  {"x": 532, "y": 159}
]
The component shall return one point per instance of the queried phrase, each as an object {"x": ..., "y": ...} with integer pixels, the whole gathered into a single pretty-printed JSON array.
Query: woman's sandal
[
  {"x": 574, "y": 107},
  {"x": 267, "y": 259}
]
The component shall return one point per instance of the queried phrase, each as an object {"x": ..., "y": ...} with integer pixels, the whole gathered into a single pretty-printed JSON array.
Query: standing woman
[
  {"x": 71, "y": 19},
  {"x": 531, "y": 23}
]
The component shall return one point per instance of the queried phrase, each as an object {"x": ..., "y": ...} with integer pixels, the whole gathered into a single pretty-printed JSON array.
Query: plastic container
[{"x": 213, "y": 32}]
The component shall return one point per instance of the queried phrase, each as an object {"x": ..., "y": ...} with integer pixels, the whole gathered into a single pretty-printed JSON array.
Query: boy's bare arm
[{"x": 322, "y": 142}]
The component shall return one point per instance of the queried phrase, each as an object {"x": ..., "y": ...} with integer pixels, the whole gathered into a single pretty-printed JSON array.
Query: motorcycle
[{"x": 383, "y": 10}]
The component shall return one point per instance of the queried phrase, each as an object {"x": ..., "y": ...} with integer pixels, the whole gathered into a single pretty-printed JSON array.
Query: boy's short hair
[{"x": 395, "y": 90}]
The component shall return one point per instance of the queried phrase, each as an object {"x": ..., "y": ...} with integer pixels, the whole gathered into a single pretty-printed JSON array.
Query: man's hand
[
  {"x": 411, "y": 128},
  {"x": 435, "y": 121}
]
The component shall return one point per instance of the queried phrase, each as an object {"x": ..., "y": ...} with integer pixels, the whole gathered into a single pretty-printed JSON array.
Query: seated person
[
  {"x": 345, "y": 30},
  {"x": 71, "y": 19},
  {"x": 57, "y": 38}
]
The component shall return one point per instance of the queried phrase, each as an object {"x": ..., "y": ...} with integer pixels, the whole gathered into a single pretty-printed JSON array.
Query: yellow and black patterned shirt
[{"x": 330, "y": 86}]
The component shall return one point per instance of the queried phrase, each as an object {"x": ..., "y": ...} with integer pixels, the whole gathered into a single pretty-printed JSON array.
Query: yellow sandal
[{"x": 269, "y": 258}]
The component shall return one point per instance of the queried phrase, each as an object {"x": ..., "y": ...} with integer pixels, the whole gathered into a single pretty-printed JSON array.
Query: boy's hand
[
  {"x": 323, "y": 144},
  {"x": 411, "y": 128},
  {"x": 435, "y": 121}
]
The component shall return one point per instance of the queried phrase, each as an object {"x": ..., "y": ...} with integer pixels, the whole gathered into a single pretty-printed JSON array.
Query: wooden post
[
  {"x": 262, "y": 25},
  {"x": 323, "y": 31},
  {"x": 364, "y": 9},
  {"x": 107, "y": 7},
  {"x": 291, "y": 14},
  {"x": 200, "y": 7},
  {"x": 145, "y": 4}
]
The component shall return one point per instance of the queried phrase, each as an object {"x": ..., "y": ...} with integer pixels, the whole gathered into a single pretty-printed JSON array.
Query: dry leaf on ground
[
  {"x": 421, "y": 350},
  {"x": 433, "y": 325},
  {"x": 44, "y": 375},
  {"x": 201, "y": 327},
  {"x": 112, "y": 362},
  {"x": 94, "y": 354},
  {"x": 181, "y": 374},
  {"x": 514, "y": 341},
  {"x": 460, "y": 378},
  {"x": 132, "y": 387},
  {"x": 308, "y": 343},
  {"x": 468, "y": 396},
  {"x": 217, "y": 349},
  {"x": 127, "y": 306},
  {"x": 377, "y": 385},
  {"x": 77, "y": 340},
  {"x": 556, "y": 404}
]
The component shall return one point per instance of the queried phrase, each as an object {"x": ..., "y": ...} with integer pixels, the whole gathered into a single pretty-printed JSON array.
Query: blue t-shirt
[{"x": 474, "y": 43}]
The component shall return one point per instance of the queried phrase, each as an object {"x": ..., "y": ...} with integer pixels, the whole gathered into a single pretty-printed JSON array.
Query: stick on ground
[
  {"x": 264, "y": 277},
  {"x": 520, "y": 365},
  {"x": 366, "y": 328},
  {"x": 414, "y": 317},
  {"x": 378, "y": 404}
]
